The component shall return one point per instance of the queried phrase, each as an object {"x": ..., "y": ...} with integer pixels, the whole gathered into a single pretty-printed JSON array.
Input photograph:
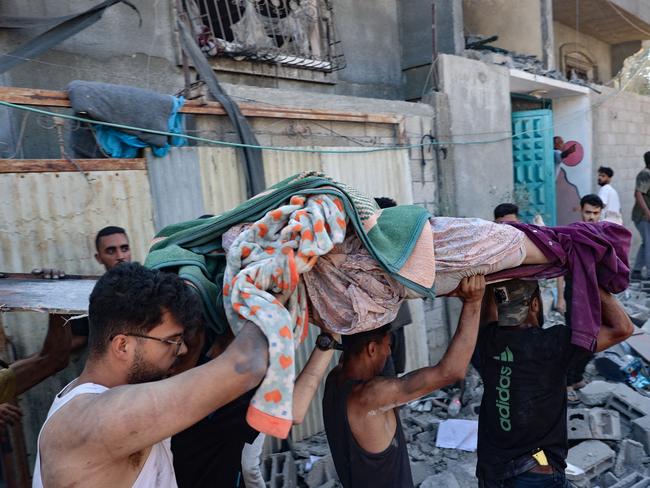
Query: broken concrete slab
[
  {"x": 635, "y": 480},
  {"x": 595, "y": 393},
  {"x": 628, "y": 402},
  {"x": 321, "y": 472},
  {"x": 592, "y": 457},
  {"x": 421, "y": 471},
  {"x": 441, "y": 480},
  {"x": 594, "y": 423},
  {"x": 641, "y": 431},
  {"x": 279, "y": 471},
  {"x": 630, "y": 456}
]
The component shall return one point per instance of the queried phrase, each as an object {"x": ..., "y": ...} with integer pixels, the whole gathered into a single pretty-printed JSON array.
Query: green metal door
[{"x": 532, "y": 152}]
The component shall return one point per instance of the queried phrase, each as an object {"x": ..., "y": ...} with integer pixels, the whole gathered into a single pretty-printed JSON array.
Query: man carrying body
[
  {"x": 359, "y": 406},
  {"x": 609, "y": 196},
  {"x": 522, "y": 423},
  {"x": 591, "y": 208},
  {"x": 107, "y": 429},
  {"x": 641, "y": 217}
]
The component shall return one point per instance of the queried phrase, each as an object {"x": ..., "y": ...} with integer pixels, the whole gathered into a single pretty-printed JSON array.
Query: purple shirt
[{"x": 593, "y": 255}]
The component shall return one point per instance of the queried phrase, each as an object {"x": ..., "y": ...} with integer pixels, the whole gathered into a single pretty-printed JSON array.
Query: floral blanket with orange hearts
[{"x": 263, "y": 262}]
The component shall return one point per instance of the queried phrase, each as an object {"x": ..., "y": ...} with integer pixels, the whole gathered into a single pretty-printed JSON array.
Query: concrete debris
[
  {"x": 594, "y": 423},
  {"x": 641, "y": 431},
  {"x": 595, "y": 393},
  {"x": 279, "y": 471},
  {"x": 630, "y": 457},
  {"x": 321, "y": 473},
  {"x": 635, "y": 480},
  {"x": 628, "y": 402},
  {"x": 592, "y": 457}
]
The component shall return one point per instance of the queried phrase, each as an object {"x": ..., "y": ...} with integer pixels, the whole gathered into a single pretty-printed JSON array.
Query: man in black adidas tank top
[
  {"x": 360, "y": 407},
  {"x": 522, "y": 439}
]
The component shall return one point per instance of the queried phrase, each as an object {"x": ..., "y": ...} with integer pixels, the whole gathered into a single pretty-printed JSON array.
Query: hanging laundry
[{"x": 129, "y": 106}]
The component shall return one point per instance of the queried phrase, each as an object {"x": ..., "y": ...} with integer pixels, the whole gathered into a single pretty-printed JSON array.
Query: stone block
[
  {"x": 628, "y": 402},
  {"x": 441, "y": 480},
  {"x": 607, "y": 480},
  {"x": 578, "y": 424},
  {"x": 279, "y": 471},
  {"x": 605, "y": 424},
  {"x": 592, "y": 457},
  {"x": 595, "y": 393},
  {"x": 634, "y": 480},
  {"x": 321, "y": 472},
  {"x": 641, "y": 431},
  {"x": 630, "y": 456},
  {"x": 420, "y": 471}
]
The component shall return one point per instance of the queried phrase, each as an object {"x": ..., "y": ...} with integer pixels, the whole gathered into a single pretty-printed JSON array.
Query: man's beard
[
  {"x": 601, "y": 183},
  {"x": 142, "y": 372}
]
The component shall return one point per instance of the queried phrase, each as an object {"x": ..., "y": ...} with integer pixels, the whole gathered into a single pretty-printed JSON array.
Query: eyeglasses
[{"x": 172, "y": 342}]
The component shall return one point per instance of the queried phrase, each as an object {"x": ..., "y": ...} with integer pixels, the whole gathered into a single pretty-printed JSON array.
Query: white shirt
[
  {"x": 612, "y": 210},
  {"x": 158, "y": 469}
]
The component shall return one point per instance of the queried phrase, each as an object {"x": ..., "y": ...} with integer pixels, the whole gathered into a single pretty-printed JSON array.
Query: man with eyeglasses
[{"x": 111, "y": 426}]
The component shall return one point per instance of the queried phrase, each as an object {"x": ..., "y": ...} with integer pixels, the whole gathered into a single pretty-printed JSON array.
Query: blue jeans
[
  {"x": 528, "y": 480},
  {"x": 643, "y": 256}
]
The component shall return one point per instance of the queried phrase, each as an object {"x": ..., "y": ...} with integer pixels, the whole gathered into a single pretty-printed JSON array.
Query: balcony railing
[{"x": 295, "y": 33}]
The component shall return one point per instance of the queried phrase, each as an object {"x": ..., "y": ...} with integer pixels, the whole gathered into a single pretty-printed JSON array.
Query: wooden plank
[
  {"x": 55, "y": 98},
  {"x": 63, "y": 165},
  {"x": 67, "y": 296}
]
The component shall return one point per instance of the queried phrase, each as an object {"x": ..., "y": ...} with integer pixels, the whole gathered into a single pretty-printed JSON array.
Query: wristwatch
[{"x": 325, "y": 342}]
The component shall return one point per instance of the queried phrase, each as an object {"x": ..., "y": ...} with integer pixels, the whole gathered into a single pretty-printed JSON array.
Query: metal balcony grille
[{"x": 295, "y": 33}]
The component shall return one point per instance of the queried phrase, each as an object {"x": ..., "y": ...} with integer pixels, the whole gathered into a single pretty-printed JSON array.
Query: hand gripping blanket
[{"x": 398, "y": 238}]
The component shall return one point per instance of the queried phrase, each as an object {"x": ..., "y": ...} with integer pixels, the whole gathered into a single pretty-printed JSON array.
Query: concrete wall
[
  {"x": 599, "y": 51},
  {"x": 117, "y": 50},
  {"x": 621, "y": 137},
  {"x": 518, "y": 23},
  {"x": 416, "y": 34},
  {"x": 479, "y": 110}
]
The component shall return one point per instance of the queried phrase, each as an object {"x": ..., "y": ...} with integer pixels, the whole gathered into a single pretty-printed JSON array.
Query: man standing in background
[
  {"x": 609, "y": 196},
  {"x": 641, "y": 217}
]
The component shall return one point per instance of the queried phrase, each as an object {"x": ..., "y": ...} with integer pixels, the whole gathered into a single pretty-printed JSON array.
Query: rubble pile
[
  {"x": 478, "y": 48},
  {"x": 608, "y": 427}
]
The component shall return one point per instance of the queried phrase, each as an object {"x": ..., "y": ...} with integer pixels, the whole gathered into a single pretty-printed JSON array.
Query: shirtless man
[
  {"x": 111, "y": 426},
  {"x": 359, "y": 407}
]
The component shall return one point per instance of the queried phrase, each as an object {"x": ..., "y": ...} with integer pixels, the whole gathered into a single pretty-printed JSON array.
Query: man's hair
[
  {"x": 108, "y": 231},
  {"x": 591, "y": 199},
  {"x": 354, "y": 344},
  {"x": 606, "y": 171},
  {"x": 130, "y": 298},
  {"x": 385, "y": 202},
  {"x": 504, "y": 209},
  {"x": 646, "y": 158}
]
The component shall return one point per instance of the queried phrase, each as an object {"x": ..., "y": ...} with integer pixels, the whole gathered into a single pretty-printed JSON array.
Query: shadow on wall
[{"x": 567, "y": 199}]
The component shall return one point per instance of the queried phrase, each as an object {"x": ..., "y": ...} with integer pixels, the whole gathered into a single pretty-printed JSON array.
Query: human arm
[
  {"x": 53, "y": 357},
  {"x": 570, "y": 150},
  {"x": 640, "y": 200},
  {"x": 616, "y": 325},
  {"x": 129, "y": 418},
  {"x": 385, "y": 393},
  {"x": 309, "y": 379},
  {"x": 9, "y": 414}
]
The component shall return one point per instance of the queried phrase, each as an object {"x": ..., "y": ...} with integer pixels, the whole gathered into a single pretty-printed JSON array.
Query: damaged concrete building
[{"x": 444, "y": 83}]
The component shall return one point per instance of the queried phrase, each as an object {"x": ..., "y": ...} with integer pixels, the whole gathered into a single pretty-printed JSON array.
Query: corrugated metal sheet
[
  {"x": 384, "y": 174},
  {"x": 281, "y": 165},
  {"x": 222, "y": 179},
  {"x": 50, "y": 219},
  {"x": 175, "y": 182}
]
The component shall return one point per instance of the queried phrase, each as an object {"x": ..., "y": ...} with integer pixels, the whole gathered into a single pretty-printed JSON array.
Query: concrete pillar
[
  {"x": 548, "y": 38},
  {"x": 449, "y": 35}
]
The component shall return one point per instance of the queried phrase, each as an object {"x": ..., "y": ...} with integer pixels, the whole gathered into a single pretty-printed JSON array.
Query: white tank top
[{"x": 157, "y": 471}]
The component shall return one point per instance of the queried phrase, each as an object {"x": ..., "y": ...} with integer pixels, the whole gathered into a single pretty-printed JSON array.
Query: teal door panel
[{"x": 534, "y": 171}]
